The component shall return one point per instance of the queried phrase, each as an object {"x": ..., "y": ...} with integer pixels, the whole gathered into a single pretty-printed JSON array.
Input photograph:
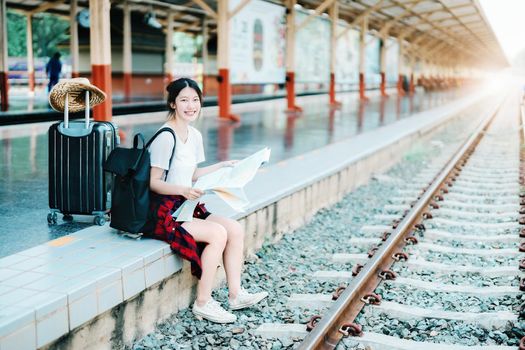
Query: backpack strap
[{"x": 170, "y": 130}]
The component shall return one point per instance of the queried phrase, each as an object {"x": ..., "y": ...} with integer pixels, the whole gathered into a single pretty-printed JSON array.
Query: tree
[
  {"x": 16, "y": 34},
  {"x": 48, "y": 32}
]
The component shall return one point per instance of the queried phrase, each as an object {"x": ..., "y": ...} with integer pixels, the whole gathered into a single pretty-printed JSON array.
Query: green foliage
[
  {"x": 187, "y": 46},
  {"x": 48, "y": 32},
  {"x": 16, "y": 35}
]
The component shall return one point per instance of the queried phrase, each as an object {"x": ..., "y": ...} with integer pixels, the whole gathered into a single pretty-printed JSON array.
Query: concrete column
[
  {"x": 290, "y": 58},
  {"x": 100, "y": 39},
  {"x": 4, "y": 86},
  {"x": 223, "y": 61},
  {"x": 412, "y": 87},
  {"x": 168, "y": 65},
  {"x": 400, "y": 67},
  {"x": 126, "y": 55},
  {"x": 73, "y": 39},
  {"x": 334, "y": 16},
  {"x": 362, "y": 57},
  {"x": 205, "y": 38},
  {"x": 30, "y": 60},
  {"x": 383, "y": 66}
]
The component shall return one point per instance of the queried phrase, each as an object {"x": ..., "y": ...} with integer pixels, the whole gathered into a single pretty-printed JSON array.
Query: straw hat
[{"x": 76, "y": 88}]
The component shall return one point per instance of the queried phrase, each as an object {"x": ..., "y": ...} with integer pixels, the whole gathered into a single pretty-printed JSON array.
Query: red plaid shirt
[{"x": 168, "y": 230}]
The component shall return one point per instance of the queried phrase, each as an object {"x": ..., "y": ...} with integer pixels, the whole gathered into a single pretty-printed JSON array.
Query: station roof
[{"x": 437, "y": 30}]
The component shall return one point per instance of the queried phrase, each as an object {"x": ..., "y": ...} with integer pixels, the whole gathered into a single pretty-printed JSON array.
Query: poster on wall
[
  {"x": 312, "y": 50},
  {"x": 392, "y": 58},
  {"x": 372, "y": 66},
  {"x": 347, "y": 56},
  {"x": 257, "y": 43},
  {"x": 418, "y": 66},
  {"x": 185, "y": 62},
  {"x": 407, "y": 63}
]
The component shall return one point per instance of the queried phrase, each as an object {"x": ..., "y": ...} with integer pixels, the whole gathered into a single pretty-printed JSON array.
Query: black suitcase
[{"x": 77, "y": 181}]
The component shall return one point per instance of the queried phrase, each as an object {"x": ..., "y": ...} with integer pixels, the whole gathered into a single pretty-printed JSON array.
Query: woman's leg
[
  {"x": 233, "y": 253},
  {"x": 215, "y": 236}
]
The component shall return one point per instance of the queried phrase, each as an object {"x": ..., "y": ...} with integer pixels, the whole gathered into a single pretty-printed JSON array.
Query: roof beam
[
  {"x": 45, "y": 6},
  {"x": 386, "y": 28},
  {"x": 206, "y": 8},
  {"x": 185, "y": 9},
  {"x": 365, "y": 13},
  {"x": 320, "y": 9},
  {"x": 463, "y": 46},
  {"x": 239, "y": 7}
]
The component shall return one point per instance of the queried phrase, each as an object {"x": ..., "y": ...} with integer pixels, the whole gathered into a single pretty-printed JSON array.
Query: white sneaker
[
  {"x": 213, "y": 311},
  {"x": 245, "y": 299}
]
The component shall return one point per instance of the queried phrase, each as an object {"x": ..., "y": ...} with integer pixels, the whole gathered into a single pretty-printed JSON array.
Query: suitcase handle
[
  {"x": 75, "y": 130},
  {"x": 66, "y": 112},
  {"x": 86, "y": 112}
]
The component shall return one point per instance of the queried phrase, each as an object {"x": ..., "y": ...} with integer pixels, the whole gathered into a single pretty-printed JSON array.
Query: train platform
[
  {"x": 33, "y": 108},
  {"x": 24, "y": 180},
  {"x": 56, "y": 279}
]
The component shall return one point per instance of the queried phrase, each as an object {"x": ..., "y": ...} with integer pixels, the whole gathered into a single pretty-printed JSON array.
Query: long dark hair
[{"x": 175, "y": 87}]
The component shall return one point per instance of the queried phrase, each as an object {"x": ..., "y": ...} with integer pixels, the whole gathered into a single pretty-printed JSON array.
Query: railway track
[{"x": 447, "y": 264}]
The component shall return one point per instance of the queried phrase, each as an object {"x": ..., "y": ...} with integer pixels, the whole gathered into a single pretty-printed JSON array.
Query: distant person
[
  {"x": 406, "y": 84},
  {"x": 53, "y": 70},
  {"x": 209, "y": 238}
]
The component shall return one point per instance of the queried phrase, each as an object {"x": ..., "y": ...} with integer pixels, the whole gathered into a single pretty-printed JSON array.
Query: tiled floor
[{"x": 24, "y": 168}]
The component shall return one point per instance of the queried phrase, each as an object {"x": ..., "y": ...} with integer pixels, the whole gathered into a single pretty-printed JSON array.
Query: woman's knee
[
  {"x": 219, "y": 235},
  {"x": 235, "y": 232}
]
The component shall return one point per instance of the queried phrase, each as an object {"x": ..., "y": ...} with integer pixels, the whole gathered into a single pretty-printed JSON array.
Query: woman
[{"x": 208, "y": 237}]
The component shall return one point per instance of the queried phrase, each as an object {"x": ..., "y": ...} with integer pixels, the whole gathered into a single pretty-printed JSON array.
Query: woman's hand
[
  {"x": 229, "y": 163},
  {"x": 192, "y": 193}
]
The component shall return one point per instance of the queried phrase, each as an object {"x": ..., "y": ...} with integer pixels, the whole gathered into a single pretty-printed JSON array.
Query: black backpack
[{"x": 130, "y": 194}]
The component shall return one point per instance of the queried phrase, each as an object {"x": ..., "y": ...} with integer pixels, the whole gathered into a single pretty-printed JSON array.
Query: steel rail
[{"x": 327, "y": 332}]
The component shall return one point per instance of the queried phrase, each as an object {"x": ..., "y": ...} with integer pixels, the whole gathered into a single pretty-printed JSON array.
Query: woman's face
[{"x": 187, "y": 105}]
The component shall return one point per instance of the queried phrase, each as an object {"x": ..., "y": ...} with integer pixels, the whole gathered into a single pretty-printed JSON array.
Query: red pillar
[
  {"x": 400, "y": 90},
  {"x": 333, "y": 101},
  {"x": 290, "y": 93},
  {"x": 362, "y": 87},
  {"x": 100, "y": 54},
  {"x": 31, "y": 80},
  {"x": 383, "y": 85},
  {"x": 4, "y": 88},
  {"x": 102, "y": 79},
  {"x": 225, "y": 96},
  {"x": 334, "y": 16}
]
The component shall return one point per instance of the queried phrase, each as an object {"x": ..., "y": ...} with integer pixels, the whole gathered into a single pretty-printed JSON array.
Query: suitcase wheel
[
  {"x": 100, "y": 220},
  {"x": 52, "y": 218},
  {"x": 67, "y": 217}
]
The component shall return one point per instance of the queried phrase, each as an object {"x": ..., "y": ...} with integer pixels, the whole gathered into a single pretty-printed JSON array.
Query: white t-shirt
[{"x": 187, "y": 155}]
